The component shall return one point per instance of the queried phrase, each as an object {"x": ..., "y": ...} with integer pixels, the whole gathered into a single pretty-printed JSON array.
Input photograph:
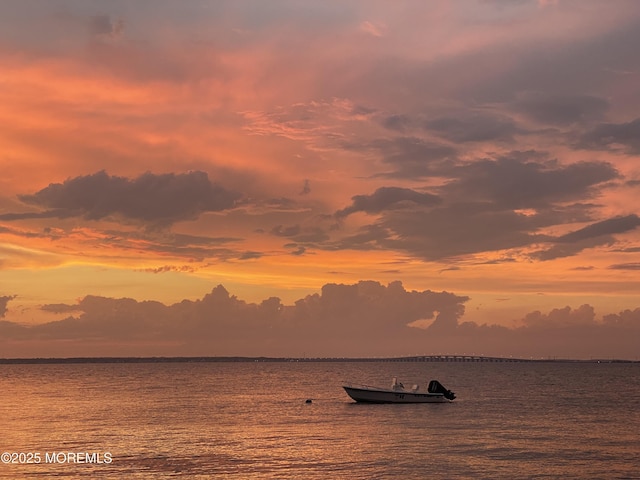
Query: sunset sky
[{"x": 320, "y": 178}]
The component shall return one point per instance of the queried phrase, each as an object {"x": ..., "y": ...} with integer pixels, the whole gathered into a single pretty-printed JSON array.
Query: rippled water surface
[{"x": 250, "y": 420}]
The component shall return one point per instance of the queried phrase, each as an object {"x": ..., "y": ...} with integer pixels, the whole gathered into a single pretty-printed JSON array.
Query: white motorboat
[{"x": 435, "y": 393}]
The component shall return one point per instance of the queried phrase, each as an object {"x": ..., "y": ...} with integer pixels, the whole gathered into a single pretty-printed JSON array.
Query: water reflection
[{"x": 252, "y": 421}]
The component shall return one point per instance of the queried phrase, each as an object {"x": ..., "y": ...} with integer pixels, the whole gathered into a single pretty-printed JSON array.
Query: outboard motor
[{"x": 436, "y": 387}]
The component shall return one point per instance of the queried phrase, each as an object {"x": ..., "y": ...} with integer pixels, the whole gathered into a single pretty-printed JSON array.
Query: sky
[{"x": 335, "y": 178}]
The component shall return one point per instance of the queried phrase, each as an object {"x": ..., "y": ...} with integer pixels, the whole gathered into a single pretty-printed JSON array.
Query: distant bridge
[
  {"x": 414, "y": 358},
  {"x": 465, "y": 359},
  {"x": 451, "y": 358}
]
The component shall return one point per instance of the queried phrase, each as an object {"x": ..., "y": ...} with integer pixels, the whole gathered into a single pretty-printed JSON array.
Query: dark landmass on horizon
[{"x": 419, "y": 358}]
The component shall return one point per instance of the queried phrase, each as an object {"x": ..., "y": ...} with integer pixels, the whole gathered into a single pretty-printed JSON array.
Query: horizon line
[{"x": 242, "y": 358}]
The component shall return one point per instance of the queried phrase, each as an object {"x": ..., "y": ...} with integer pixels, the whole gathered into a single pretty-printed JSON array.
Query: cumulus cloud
[
  {"x": 579, "y": 331},
  {"x": 220, "y": 323},
  {"x": 159, "y": 199},
  {"x": 560, "y": 318},
  {"x": 562, "y": 332},
  {"x": 366, "y": 318},
  {"x": 628, "y": 319}
]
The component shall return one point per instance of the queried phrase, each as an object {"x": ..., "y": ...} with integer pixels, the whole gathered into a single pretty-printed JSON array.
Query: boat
[{"x": 397, "y": 393}]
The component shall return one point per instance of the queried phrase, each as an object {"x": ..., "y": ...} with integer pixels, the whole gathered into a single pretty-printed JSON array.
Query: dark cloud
[
  {"x": 182, "y": 240},
  {"x": 516, "y": 181},
  {"x": 306, "y": 187},
  {"x": 57, "y": 213},
  {"x": 625, "y": 266},
  {"x": 250, "y": 255},
  {"x": 498, "y": 261},
  {"x": 282, "y": 231},
  {"x": 474, "y": 128},
  {"x": 362, "y": 110},
  {"x": 308, "y": 235},
  {"x": 596, "y": 234},
  {"x": 488, "y": 205},
  {"x": 60, "y": 308},
  {"x": 410, "y": 157},
  {"x": 104, "y": 25},
  {"x": 192, "y": 248},
  {"x": 300, "y": 250},
  {"x": 466, "y": 229},
  {"x": 47, "y": 232},
  {"x": 4, "y": 300},
  {"x": 613, "y": 136},
  {"x": 566, "y": 249},
  {"x": 150, "y": 198},
  {"x": 562, "y": 109},
  {"x": 388, "y": 198},
  {"x": 605, "y": 227},
  {"x": 630, "y": 250},
  {"x": 582, "y": 65},
  {"x": 454, "y": 230},
  {"x": 368, "y": 237},
  {"x": 396, "y": 122}
]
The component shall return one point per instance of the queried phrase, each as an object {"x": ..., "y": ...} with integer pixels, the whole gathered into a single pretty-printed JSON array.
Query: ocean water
[{"x": 251, "y": 421}]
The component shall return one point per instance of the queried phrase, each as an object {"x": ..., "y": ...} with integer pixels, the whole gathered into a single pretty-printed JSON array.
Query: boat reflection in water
[{"x": 435, "y": 393}]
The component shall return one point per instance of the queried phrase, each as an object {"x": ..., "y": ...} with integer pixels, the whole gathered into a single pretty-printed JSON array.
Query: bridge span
[{"x": 455, "y": 358}]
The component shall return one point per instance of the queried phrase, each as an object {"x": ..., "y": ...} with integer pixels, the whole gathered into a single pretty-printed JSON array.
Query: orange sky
[{"x": 483, "y": 148}]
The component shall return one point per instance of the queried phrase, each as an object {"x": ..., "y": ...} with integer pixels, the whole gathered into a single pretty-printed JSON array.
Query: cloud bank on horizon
[
  {"x": 483, "y": 147},
  {"x": 341, "y": 320}
]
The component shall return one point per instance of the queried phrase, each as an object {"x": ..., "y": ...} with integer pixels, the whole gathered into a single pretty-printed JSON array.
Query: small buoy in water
[{"x": 309, "y": 401}]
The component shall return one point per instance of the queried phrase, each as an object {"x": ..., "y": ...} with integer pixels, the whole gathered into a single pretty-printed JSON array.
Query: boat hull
[{"x": 379, "y": 395}]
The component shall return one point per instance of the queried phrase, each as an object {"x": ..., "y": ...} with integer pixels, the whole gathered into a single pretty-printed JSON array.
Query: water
[{"x": 250, "y": 421}]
